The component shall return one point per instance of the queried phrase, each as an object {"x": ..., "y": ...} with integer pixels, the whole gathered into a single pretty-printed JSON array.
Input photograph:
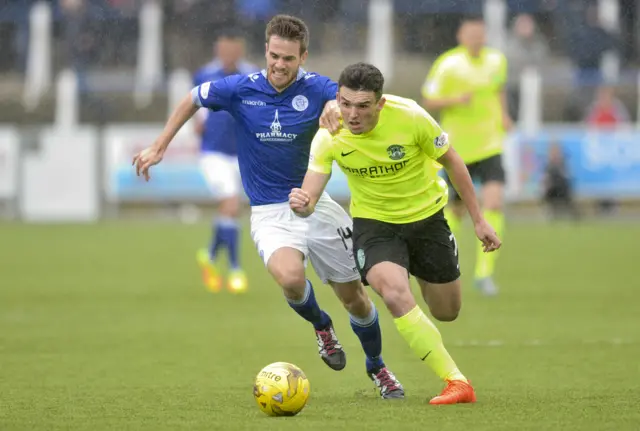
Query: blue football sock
[
  {"x": 309, "y": 309},
  {"x": 368, "y": 331},
  {"x": 216, "y": 241},
  {"x": 228, "y": 234}
]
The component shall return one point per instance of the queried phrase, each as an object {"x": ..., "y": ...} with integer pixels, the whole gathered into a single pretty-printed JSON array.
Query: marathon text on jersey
[{"x": 376, "y": 171}]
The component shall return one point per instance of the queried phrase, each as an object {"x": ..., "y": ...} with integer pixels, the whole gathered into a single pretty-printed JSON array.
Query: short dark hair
[
  {"x": 290, "y": 28},
  {"x": 472, "y": 17},
  {"x": 229, "y": 33},
  {"x": 362, "y": 77}
]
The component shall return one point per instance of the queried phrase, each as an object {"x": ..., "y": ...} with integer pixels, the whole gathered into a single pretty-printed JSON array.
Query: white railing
[
  {"x": 38, "y": 67},
  {"x": 495, "y": 16},
  {"x": 67, "y": 101},
  {"x": 609, "y": 17},
  {"x": 149, "y": 71},
  {"x": 380, "y": 36},
  {"x": 178, "y": 86},
  {"x": 638, "y": 104},
  {"x": 530, "y": 109}
]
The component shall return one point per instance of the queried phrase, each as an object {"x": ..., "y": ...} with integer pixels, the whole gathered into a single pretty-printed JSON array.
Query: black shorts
[
  {"x": 426, "y": 248},
  {"x": 483, "y": 171}
]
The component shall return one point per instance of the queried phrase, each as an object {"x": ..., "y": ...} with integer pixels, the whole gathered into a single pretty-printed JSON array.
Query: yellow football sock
[
  {"x": 425, "y": 340},
  {"x": 455, "y": 222},
  {"x": 485, "y": 262}
]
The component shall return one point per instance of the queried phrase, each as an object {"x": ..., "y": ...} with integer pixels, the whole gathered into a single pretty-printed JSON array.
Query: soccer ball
[{"x": 281, "y": 389}]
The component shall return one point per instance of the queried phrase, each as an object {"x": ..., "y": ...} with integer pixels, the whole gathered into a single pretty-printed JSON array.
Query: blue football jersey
[
  {"x": 274, "y": 130},
  {"x": 219, "y": 134}
]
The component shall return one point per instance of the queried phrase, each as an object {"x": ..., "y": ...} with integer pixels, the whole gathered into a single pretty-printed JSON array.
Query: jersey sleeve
[
  {"x": 435, "y": 84},
  {"x": 216, "y": 95},
  {"x": 329, "y": 91},
  {"x": 429, "y": 135},
  {"x": 321, "y": 154}
]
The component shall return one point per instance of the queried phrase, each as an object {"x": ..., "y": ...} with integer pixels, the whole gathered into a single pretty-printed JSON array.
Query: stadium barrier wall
[
  {"x": 603, "y": 164},
  {"x": 60, "y": 182},
  {"x": 75, "y": 171},
  {"x": 9, "y": 146}
]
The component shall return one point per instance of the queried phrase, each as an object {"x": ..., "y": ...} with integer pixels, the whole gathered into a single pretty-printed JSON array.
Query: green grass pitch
[{"x": 107, "y": 327}]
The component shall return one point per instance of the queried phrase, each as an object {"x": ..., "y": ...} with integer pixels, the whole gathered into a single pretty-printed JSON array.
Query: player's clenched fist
[
  {"x": 145, "y": 159},
  {"x": 299, "y": 202},
  {"x": 330, "y": 117},
  {"x": 488, "y": 236}
]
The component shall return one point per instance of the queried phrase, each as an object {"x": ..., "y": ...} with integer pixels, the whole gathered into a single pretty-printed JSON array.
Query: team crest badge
[
  {"x": 396, "y": 152},
  {"x": 300, "y": 103},
  {"x": 441, "y": 141},
  {"x": 204, "y": 90},
  {"x": 361, "y": 258}
]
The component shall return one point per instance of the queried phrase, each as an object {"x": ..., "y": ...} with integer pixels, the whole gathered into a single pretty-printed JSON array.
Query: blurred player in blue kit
[
  {"x": 219, "y": 163},
  {"x": 277, "y": 113}
]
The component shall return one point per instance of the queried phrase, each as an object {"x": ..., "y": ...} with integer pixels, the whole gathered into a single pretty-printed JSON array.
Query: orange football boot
[
  {"x": 456, "y": 392},
  {"x": 210, "y": 276}
]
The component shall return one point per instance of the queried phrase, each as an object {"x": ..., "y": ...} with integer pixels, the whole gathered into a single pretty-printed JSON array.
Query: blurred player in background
[
  {"x": 219, "y": 163},
  {"x": 278, "y": 112},
  {"x": 467, "y": 85},
  {"x": 388, "y": 151}
]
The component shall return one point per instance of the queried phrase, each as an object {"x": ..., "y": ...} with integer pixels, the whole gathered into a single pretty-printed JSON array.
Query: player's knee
[
  {"x": 445, "y": 315},
  {"x": 397, "y": 297},
  {"x": 492, "y": 196},
  {"x": 495, "y": 205},
  {"x": 292, "y": 282},
  {"x": 444, "y": 300},
  {"x": 229, "y": 207},
  {"x": 457, "y": 209}
]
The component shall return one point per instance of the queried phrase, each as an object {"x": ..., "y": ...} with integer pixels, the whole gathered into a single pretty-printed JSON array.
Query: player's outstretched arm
[
  {"x": 303, "y": 200},
  {"x": 438, "y": 103},
  {"x": 436, "y": 90},
  {"x": 153, "y": 155},
  {"x": 507, "y": 121},
  {"x": 461, "y": 180}
]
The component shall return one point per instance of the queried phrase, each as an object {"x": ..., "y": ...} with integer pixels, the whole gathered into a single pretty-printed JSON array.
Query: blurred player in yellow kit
[
  {"x": 390, "y": 150},
  {"x": 466, "y": 84}
]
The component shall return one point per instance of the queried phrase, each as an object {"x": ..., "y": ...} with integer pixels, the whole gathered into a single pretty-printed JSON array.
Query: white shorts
[
  {"x": 222, "y": 174},
  {"x": 324, "y": 237}
]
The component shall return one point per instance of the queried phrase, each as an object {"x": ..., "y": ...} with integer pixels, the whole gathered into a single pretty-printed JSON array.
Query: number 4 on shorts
[{"x": 345, "y": 233}]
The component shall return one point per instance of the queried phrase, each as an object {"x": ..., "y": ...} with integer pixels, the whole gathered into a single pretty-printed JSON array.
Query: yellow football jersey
[
  {"x": 475, "y": 130},
  {"x": 392, "y": 170}
]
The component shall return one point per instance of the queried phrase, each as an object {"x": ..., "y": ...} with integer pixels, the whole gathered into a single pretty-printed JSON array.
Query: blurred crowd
[{"x": 104, "y": 33}]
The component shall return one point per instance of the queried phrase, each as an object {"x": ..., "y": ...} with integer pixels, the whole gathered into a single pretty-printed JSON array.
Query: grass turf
[{"x": 108, "y": 327}]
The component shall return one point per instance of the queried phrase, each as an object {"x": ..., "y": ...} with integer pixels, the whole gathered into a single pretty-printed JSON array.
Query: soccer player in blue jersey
[
  {"x": 277, "y": 113},
  {"x": 219, "y": 163}
]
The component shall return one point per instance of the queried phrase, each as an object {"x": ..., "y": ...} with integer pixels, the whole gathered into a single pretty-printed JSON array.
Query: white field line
[{"x": 539, "y": 342}]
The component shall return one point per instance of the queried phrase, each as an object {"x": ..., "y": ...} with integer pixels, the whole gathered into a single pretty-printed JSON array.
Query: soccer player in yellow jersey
[
  {"x": 466, "y": 84},
  {"x": 390, "y": 150}
]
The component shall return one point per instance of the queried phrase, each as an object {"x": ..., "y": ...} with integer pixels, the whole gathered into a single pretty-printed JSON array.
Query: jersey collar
[
  {"x": 483, "y": 50},
  {"x": 299, "y": 76},
  {"x": 301, "y": 73},
  {"x": 216, "y": 66}
]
